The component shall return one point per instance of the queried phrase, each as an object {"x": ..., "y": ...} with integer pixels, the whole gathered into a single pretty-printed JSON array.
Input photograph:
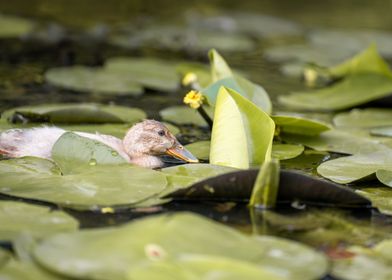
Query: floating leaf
[
  {"x": 286, "y": 151},
  {"x": 151, "y": 73},
  {"x": 299, "y": 125},
  {"x": 200, "y": 149},
  {"x": 4, "y": 257},
  {"x": 72, "y": 152},
  {"x": 93, "y": 186},
  {"x": 364, "y": 118},
  {"x": 382, "y": 131},
  {"x": 353, "y": 168},
  {"x": 16, "y": 270},
  {"x": 223, "y": 76},
  {"x": 40, "y": 221},
  {"x": 167, "y": 237},
  {"x": 242, "y": 133},
  {"x": 14, "y": 26},
  {"x": 183, "y": 115},
  {"x": 385, "y": 176},
  {"x": 352, "y": 91},
  {"x": 190, "y": 267},
  {"x": 366, "y": 264},
  {"x": 384, "y": 249},
  {"x": 340, "y": 141},
  {"x": 381, "y": 198},
  {"x": 95, "y": 80},
  {"x": 76, "y": 113}
]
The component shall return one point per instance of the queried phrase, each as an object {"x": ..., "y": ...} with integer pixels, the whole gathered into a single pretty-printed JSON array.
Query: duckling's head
[{"x": 147, "y": 140}]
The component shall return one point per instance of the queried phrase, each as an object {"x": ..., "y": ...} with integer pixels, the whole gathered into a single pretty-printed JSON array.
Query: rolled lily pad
[
  {"x": 40, "y": 221},
  {"x": 12, "y": 26},
  {"x": 75, "y": 113},
  {"x": 366, "y": 264},
  {"x": 286, "y": 151},
  {"x": 167, "y": 238},
  {"x": 353, "y": 168},
  {"x": 299, "y": 125},
  {"x": 95, "y": 80},
  {"x": 151, "y": 73},
  {"x": 352, "y": 91},
  {"x": 183, "y": 115},
  {"x": 242, "y": 133},
  {"x": 223, "y": 76},
  {"x": 381, "y": 198},
  {"x": 364, "y": 118},
  {"x": 91, "y": 187},
  {"x": 340, "y": 141},
  {"x": 191, "y": 267}
]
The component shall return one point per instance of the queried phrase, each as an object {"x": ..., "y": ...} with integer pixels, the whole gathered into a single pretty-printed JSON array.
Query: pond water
[{"x": 77, "y": 32}]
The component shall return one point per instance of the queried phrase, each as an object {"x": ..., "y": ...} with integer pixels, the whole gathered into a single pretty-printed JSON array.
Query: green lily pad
[
  {"x": 353, "y": 168},
  {"x": 12, "y": 26},
  {"x": 184, "y": 115},
  {"x": 200, "y": 149},
  {"x": 16, "y": 270},
  {"x": 366, "y": 264},
  {"x": 381, "y": 197},
  {"x": 190, "y": 267},
  {"x": 40, "y": 221},
  {"x": 286, "y": 151},
  {"x": 76, "y": 113},
  {"x": 223, "y": 76},
  {"x": 299, "y": 125},
  {"x": 90, "y": 187},
  {"x": 382, "y": 131},
  {"x": 364, "y": 118},
  {"x": 4, "y": 257},
  {"x": 95, "y": 80},
  {"x": 354, "y": 90},
  {"x": 72, "y": 152},
  {"x": 340, "y": 141},
  {"x": 242, "y": 133},
  {"x": 385, "y": 176},
  {"x": 151, "y": 73},
  {"x": 384, "y": 249},
  {"x": 167, "y": 237}
]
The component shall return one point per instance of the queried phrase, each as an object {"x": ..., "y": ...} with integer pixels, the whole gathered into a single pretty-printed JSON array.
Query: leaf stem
[{"x": 205, "y": 116}]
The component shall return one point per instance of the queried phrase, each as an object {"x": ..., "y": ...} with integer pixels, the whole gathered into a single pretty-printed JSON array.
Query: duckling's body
[{"x": 142, "y": 144}]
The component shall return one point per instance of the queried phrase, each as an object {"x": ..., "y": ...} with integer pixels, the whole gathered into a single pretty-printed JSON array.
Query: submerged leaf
[
  {"x": 39, "y": 221},
  {"x": 242, "y": 133},
  {"x": 167, "y": 238},
  {"x": 91, "y": 187}
]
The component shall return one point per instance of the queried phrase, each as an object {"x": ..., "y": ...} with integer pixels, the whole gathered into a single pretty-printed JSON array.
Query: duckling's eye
[{"x": 161, "y": 133}]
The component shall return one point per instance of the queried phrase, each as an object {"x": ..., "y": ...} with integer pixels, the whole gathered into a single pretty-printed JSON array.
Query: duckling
[{"x": 142, "y": 145}]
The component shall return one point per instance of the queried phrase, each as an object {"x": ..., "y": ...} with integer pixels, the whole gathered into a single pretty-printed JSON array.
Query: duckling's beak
[{"x": 178, "y": 151}]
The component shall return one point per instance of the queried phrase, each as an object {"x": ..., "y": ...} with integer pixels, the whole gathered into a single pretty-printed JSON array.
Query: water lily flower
[{"x": 194, "y": 99}]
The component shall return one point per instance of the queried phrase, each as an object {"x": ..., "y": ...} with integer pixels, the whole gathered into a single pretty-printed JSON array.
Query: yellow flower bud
[{"x": 189, "y": 78}]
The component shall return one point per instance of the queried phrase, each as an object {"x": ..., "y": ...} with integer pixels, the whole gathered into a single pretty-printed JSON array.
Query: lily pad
[
  {"x": 340, "y": 141},
  {"x": 354, "y": 90},
  {"x": 16, "y": 270},
  {"x": 366, "y": 264},
  {"x": 200, "y": 149},
  {"x": 242, "y": 133},
  {"x": 40, "y": 221},
  {"x": 382, "y": 131},
  {"x": 75, "y": 113},
  {"x": 385, "y": 176},
  {"x": 4, "y": 257},
  {"x": 190, "y": 267},
  {"x": 353, "y": 168},
  {"x": 91, "y": 187},
  {"x": 364, "y": 118},
  {"x": 381, "y": 198},
  {"x": 12, "y": 26},
  {"x": 286, "y": 151},
  {"x": 223, "y": 76},
  {"x": 95, "y": 80},
  {"x": 151, "y": 73},
  {"x": 183, "y": 115},
  {"x": 166, "y": 237},
  {"x": 299, "y": 125}
]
